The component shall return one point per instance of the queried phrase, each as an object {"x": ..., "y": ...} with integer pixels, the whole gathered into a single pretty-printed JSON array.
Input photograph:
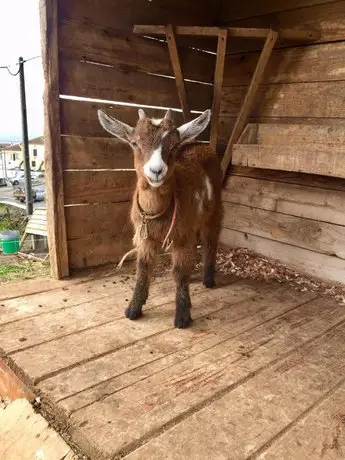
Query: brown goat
[{"x": 177, "y": 198}]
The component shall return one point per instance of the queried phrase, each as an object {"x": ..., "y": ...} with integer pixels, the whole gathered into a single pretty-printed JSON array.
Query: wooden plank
[
  {"x": 323, "y": 182},
  {"x": 305, "y": 233},
  {"x": 84, "y": 79},
  {"x": 232, "y": 326},
  {"x": 25, "y": 435},
  {"x": 296, "y": 200},
  {"x": 320, "y": 433},
  {"x": 118, "y": 333},
  {"x": 305, "y": 261},
  {"x": 79, "y": 118},
  {"x": 248, "y": 101},
  {"x": 54, "y": 178},
  {"x": 99, "y": 249},
  {"x": 11, "y": 387},
  {"x": 328, "y": 18},
  {"x": 121, "y": 15},
  {"x": 96, "y": 153},
  {"x": 84, "y": 41},
  {"x": 176, "y": 65},
  {"x": 292, "y": 65},
  {"x": 108, "y": 186},
  {"x": 218, "y": 84},
  {"x": 290, "y": 101},
  {"x": 323, "y": 159},
  {"x": 98, "y": 219},
  {"x": 242, "y": 11},
  {"x": 253, "y": 413},
  {"x": 243, "y": 32},
  {"x": 176, "y": 393}
]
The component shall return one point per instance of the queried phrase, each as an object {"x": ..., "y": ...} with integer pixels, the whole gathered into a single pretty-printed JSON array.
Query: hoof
[
  {"x": 209, "y": 284},
  {"x": 182, "y": 322},
  {"x": 132, "y": 313}
]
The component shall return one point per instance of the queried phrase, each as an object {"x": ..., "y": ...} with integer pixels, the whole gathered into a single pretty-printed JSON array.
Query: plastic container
[{"x": 10, "y": 242}]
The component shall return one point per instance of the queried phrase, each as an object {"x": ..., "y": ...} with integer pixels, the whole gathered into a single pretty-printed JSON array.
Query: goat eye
[{"x": 134, "y": 144}]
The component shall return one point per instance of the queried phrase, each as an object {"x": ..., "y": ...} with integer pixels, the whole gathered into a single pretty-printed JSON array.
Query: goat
[{"x": 176, "y": 201}]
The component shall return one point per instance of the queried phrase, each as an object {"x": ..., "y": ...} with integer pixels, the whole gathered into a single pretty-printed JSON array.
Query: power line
[{"x": 7, "y": 67}]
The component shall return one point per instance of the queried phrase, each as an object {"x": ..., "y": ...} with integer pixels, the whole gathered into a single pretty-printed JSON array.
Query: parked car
[
  {"x": 3, "y": 182},
  {"x": 20, "y": 177},
  {"x": 38, "y": 194}
]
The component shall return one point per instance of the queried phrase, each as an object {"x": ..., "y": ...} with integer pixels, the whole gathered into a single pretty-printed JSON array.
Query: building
[{"x": 13, "y": 155}]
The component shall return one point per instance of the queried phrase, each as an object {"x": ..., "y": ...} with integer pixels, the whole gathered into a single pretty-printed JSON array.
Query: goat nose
[{"x": 156, "y": 171}]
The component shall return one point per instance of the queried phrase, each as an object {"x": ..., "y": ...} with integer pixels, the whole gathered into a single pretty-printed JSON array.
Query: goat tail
[{"x": 129, "y": 253}]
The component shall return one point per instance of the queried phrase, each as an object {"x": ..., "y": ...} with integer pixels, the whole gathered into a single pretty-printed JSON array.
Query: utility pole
[{"x": 26, "y": 153}]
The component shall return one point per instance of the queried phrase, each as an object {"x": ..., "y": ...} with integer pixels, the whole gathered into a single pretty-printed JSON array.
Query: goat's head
[{"x": 155, "y": 142}]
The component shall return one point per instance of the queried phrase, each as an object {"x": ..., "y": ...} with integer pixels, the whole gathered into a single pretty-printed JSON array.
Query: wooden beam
[
  {"x": 249, "y": 98},
  {"x": 57, "y": 239},
  {"x": 175, "y": 62},
  {"x": 218, "y": 83},
  {"x": 241, "y": 32}
]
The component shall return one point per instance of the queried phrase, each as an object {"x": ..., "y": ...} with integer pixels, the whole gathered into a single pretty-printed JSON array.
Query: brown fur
[{"x": 188, "y": 166}]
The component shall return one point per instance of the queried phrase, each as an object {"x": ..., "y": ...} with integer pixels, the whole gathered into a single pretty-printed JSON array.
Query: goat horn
[
  {"x": 168, "y": 115},
  {"x": 142, "y": 114}
]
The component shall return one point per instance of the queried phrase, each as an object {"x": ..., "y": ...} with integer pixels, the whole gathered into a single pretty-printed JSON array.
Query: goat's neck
[{"x": 155, "y": 200}]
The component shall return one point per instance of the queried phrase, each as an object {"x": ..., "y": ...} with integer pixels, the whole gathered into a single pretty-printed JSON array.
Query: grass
[{"x": 22, "y": 270}]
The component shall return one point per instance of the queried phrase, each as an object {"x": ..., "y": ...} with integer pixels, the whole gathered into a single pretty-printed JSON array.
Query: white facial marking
[
  {"x": 156, "y": 121},
  {"x": 155, "y": 169},
  {"x": 208, "y": 188}
]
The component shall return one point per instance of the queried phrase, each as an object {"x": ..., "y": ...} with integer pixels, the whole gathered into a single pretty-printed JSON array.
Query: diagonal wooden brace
[
  {"x": 249, "y": 98},
  {"x": 175, "y": 61}
]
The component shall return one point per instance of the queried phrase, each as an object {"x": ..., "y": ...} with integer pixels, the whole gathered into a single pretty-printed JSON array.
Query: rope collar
[{"x": 146, "y": 216}]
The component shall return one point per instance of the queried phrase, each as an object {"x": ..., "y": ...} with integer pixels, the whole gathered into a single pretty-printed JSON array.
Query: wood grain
[
  {"x": 311, "y": 263},
  {"x": 304, "y": 200},
  {"x": 116, "y": 84},
  {"x": 98, "y": 219},
  {"x": 95, "y": 153},
  {"x": 304, "y": 233},
  {"x": 323, "y": 159},
  {"x": 53, "y": 161},
  {"x": 107, "y": 186},
  {"x": 84, "y": 41}
]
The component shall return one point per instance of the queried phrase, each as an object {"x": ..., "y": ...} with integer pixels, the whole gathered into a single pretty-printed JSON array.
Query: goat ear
[
  {"x": 189, "y": 131},
  {"x": 115, "y": 127},
  {"x": 169, "y": 115},
  {"x": 142, "y": 114}
]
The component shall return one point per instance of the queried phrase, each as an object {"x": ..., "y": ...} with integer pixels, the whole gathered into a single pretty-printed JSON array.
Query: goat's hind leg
[
  {"x": 145, "y": 262},
  {"x": 209, "y": 240}
]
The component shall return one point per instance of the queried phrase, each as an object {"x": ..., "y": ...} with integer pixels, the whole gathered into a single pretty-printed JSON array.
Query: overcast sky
[{"x": 20, "y": 36}]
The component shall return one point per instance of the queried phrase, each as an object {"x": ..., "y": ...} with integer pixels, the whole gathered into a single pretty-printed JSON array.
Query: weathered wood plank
[
  {"x": 98, "y": 219},
  {"x": 300, "y": 100},
  {"x": 274, "y": 399},
  {"x": 99, "y": 249},
  {"x": 296, "y": 200},
  {"x": 231, "y": 12},
  {"x": 84, "y": 41},
  {"x": 322, "y": 159},
  {"x": 320, "y": 434},
  {"x": 309, "y": 180},
  {"x": 305, "y": 261},
  {"x": 305, "y": 233},
  {"x": 95, "y": 153},
  {"x": 11, "y": 387},
  {"x": 79, "y": 118},
  {"x": 115, "y": 84},
  {"x": 232, "y": 323},
  {"x": 24, "y": 434},
  {"x": 182, "y": 389},
  {"x": 293, "y": 65},
  {"x": 107, "y": 186},
  {"x": 119, "y": 333},
  {"x": 250, "y": 97},
  {"x": 53, "y": 164}
]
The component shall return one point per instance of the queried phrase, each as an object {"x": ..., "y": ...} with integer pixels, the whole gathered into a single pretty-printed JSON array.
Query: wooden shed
[{"x": 274, "y": 76}]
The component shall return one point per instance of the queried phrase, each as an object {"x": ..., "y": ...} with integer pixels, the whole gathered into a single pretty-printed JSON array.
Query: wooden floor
[{"x": 260, "y": 375}]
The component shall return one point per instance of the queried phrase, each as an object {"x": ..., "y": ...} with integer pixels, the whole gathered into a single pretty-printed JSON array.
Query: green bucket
[{"x": 9, "y": 241}]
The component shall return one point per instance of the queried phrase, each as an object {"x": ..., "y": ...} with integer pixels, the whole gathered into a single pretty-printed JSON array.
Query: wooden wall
[
  {"x": 100, "y": 58},
  {"x": 297, "y": 218}
]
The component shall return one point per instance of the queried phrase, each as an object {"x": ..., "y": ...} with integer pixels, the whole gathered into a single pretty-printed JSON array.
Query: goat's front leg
[
  {"x": 183, "y": 262},
  {"x": 145, "y": 262}
]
